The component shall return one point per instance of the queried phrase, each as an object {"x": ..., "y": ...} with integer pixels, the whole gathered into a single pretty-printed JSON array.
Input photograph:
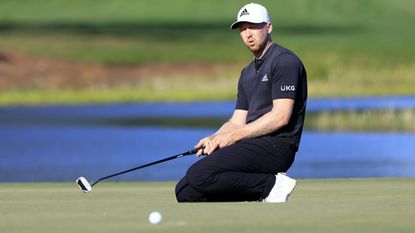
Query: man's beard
[{"x": 259, "y": 48}]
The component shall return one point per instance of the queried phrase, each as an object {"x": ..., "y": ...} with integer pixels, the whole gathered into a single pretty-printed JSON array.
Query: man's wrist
[{"x": 240, "y": 134}]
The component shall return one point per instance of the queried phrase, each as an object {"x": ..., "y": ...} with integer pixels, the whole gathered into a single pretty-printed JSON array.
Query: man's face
[{"x": 255, "y": 36}]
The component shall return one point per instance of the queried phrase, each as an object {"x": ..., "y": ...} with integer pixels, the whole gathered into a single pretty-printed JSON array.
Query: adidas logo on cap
[{"x": 244, "y": 12}]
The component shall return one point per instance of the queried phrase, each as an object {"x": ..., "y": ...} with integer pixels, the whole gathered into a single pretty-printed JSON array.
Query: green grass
[
  {"x": 42, "y": 97},
  {"x": 131, "y": 31},
  {"x": 220, "y": 85},
  {"x": 346, "y": 205}
]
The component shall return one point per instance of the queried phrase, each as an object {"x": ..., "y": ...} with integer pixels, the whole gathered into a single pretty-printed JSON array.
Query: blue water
[
  {"x": 34, "y": 146},
  {"x": 64, "y": 153}
]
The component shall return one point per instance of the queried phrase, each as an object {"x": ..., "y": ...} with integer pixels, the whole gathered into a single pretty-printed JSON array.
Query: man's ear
[{"x": 269, "y": 28}]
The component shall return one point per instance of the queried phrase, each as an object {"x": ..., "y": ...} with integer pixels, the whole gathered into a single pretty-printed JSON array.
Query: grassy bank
[
  {"x": 361, "y": 76},
  {"x": 379, "y": 120},
  {"x": 368, "y": 121},
  {"x": 362, "y": 205},
  {"x": 353, "y": 48}
]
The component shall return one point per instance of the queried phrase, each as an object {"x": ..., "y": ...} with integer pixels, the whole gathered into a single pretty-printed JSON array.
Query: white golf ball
[{"x": 155, "y": 217}]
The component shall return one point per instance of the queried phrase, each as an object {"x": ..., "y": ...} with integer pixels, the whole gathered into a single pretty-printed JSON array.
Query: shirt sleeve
[
  {"x": 285, "y": 78},
  {"x": 241, "y": 101}
]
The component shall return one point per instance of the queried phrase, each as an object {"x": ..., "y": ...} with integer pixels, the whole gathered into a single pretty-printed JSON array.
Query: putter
[{"x": 86, "y": 187}]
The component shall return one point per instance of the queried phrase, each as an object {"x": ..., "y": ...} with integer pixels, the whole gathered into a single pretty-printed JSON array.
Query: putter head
[{"x": 83, "y": 184}]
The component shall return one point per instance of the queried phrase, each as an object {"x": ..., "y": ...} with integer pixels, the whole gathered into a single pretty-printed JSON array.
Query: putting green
[{"x": 345, "y": 205}]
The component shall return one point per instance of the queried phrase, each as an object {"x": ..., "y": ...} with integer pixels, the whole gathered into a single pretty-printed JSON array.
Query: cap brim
[{"x": 235, "y": 25}]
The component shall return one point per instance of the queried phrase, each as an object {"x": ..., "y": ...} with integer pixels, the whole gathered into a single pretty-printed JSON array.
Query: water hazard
[{"x": 61, "y": 143}]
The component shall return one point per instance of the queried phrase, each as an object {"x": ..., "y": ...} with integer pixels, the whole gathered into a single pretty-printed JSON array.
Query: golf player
[{"x": 247, "y": 158}]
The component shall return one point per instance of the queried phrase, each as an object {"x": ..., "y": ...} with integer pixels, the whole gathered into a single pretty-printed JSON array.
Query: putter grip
[{"x": 194, "y": 151}]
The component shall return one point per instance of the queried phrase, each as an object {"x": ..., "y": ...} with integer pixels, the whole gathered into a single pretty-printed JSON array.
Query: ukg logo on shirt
[{"x": 287, "y": 88}]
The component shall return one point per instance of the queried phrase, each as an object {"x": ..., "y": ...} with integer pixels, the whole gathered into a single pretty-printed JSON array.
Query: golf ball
[{"x": 155, "y": 217}]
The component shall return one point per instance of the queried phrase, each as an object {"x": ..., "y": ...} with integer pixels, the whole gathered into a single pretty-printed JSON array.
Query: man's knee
[
  {"x": 185, "y": 193},
  {"x": 180, "y": 191},
  {"x": 197, "y": 182},
  {"x": 180, "y": 196},
  {"x": 197, "y": 176}
]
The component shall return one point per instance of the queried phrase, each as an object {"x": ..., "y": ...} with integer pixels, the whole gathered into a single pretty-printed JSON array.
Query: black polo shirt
[{"x": 278, "y": 74}]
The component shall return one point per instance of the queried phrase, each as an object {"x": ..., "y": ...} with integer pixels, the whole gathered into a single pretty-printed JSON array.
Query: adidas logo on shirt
[
  {"x": 265, "y": 78},
  {"x": 244, "y": 12}
]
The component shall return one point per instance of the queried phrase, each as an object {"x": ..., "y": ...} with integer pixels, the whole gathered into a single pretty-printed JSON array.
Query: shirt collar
[{"x": 258, "y": 62}]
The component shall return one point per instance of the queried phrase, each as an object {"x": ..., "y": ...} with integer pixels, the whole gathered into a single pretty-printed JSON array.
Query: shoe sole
[{"x": 291, "y": 190}]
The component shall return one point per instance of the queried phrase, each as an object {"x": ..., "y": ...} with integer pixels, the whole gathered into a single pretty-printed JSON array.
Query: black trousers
[{"x": 244, "y": 171}]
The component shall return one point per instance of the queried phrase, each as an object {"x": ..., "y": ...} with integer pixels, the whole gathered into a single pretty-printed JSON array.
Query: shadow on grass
[
  {"x": 157, "y": 122},
  {"x": 122, "y": 122}
]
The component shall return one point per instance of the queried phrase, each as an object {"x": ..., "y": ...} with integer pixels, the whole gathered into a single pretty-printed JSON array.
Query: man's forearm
[
  {"x": 268, "y": 123},
  {"x": 229, "y": 126},
  {"x": 230, "y": 133}
]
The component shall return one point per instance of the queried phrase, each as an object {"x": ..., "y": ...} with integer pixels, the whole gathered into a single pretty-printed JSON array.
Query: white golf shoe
[{"x": 282, "y": 189}]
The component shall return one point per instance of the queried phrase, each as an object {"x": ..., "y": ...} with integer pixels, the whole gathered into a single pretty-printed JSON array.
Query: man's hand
[
  {"x": 216, "y": 141},
  {"x": 225, "y": 136},
  {"x": 204, "y": 142}
]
